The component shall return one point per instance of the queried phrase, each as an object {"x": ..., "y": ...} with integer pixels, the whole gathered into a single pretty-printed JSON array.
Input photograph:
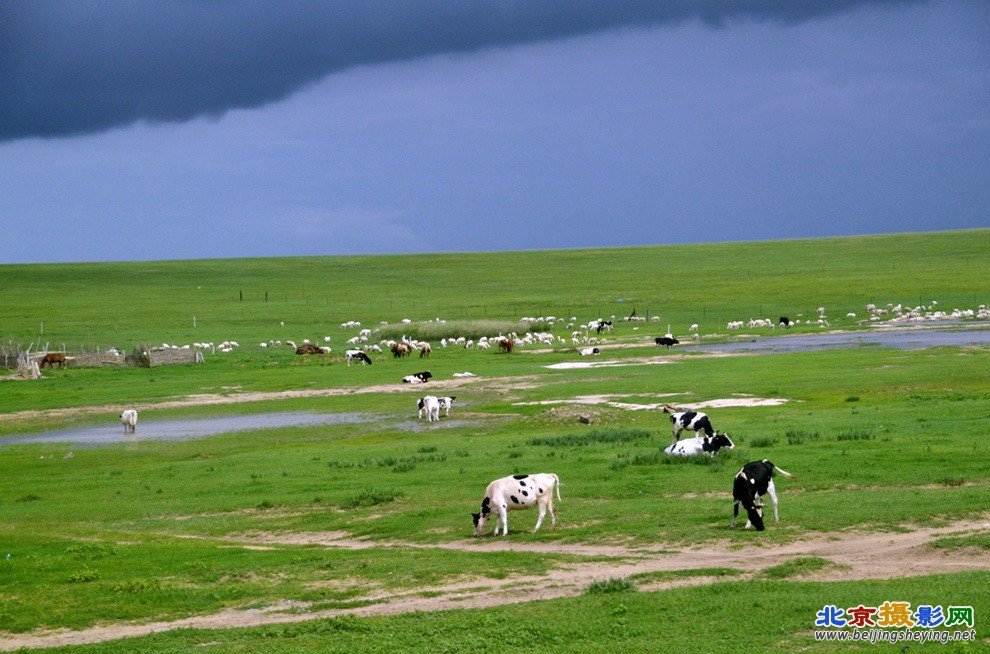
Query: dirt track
[{"x": 860, "y": 556}]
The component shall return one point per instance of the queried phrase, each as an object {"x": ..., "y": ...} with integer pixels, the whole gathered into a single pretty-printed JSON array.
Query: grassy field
[{"x": 336, "y": 520}]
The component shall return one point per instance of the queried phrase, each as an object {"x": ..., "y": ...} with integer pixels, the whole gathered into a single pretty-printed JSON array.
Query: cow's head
[
  {"x": 719, "y": 441},
  {"x": 481, "y": 518}
]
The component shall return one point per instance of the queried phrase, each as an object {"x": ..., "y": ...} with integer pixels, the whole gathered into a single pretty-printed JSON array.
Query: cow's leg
[
  {"x": 735, "y": 514},
  {"x": 773, "y": 499},
  {"x": 503, "y": 514},
  {"x": 543, "y": 511}
]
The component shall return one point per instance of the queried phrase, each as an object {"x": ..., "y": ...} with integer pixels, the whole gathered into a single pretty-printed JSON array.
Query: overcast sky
[{"x": 195, "y": 129}]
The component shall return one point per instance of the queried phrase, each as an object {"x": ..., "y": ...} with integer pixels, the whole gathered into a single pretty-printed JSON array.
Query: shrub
[
  {"x": 611, "y": 585},
  {"x": 593, "y": 437},
  {"x": 370, "y": 497},
  {"x": 855, "y": 435}
]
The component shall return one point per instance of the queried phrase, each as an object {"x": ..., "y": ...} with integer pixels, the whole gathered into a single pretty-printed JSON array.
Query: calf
[
  {"x": 752, "y": 482},
  {"x": 697, "y": 445},
  {"x": 417, "y": 377},
  {"x": 589, "y": 351},
  {"x": 666, "y": 340},
  {"x": 129, "y": 419},
  {"x": 357, "y": 355},
  {"x": 430, "y": 407},
  {"x": 446, "y": 403},
  {"x": 692, "y": 420},
  {"x": 517, "y": 492}
]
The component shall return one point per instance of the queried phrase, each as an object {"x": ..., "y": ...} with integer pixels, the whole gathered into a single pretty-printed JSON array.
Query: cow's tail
[
  {"x": 784, "y": 472},
  {"x": 557, "y": 485}
]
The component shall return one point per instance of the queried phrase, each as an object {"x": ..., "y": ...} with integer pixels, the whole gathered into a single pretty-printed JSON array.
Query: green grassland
[{"x": 881, "y": 440}]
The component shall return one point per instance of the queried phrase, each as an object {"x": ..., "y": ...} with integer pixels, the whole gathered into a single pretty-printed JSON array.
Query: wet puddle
[
  {"x": 185, "y": 429},
  {"x": 895, "y": 337}
]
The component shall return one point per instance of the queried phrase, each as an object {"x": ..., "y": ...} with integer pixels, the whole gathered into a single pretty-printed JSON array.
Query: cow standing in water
[{"x": 129, "y": 419}]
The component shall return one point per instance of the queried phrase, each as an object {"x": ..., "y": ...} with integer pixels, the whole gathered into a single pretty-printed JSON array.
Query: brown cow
[
  {"x": 506, "y": 345},
  {"x": 52, "y": 358},
  {"x": 400, "y": 350}
]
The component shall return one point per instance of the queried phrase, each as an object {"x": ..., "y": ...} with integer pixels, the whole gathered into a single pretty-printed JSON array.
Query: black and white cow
[
  {"x": 691, "y": 420},
  {"x": 446, "y": 403},
  {"x": 785, "y": 322},
  {"x": 517, "y": 492},
  {"x": 699, "y": 444},
  {"x": 752, "y": 482},
  {"x": 417, "y": 378},
  {"x": 666, "y": 340},
  {"x": 357, "y": 355},
  {"x": 590, "y": 351}
]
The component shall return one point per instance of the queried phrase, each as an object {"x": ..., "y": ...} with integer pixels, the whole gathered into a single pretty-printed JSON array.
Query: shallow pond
[
  {"x": 186, "y": 428},
  {"x": 905, "y": 338}
]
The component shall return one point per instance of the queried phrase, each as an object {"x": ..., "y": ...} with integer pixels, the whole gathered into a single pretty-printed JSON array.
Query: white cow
[
  {"x": 129, "y": 419},
  {"x": 517, "y": 492},
  {"x": 430, "y": 407}
]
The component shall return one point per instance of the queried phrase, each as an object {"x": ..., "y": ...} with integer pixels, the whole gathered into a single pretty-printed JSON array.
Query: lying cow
[
  {"x": 691, "y": 420},
  {"x": 430, "y": 407},
  {"x": 446, "y": 403},
  {"x": 129, "y": 419},
  {"x": 699, "y": 444},
  {"x": 517, "y": 492},
  {"x": 666, "y": 340},
  {"x": 752, "y": 482},
  {"x": 357, "y": 355},
  {"x": 417, "y": 377},
  {"x": 589, "y": 351}
]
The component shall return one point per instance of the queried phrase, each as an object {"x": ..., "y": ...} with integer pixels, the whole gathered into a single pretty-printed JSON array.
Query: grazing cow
[
  {"x": 588, "y": 351},
  {"x": 785, "y": 322},
  {"x": 400, "y": 350},
  {"x": 430, "y": 407},
  {"x": 517, "y": 492},
  {"x": 752, "y": 482},
  {"x": 699, "y": 444},
  {"x": 692, "y": 420},
  {"x": 506, "y": 345},
  {"x": 417, "y": 378},
  {"x": 425, "y": 350},
  {"x": 604, "y": 325},
  {"x": 129, "y": 419},
  {"x": 357, "y": 355},
  {"x": 446, "y": 403},
  {"x": 52, "y": 358},
  {"x": 666, "y": 340}
]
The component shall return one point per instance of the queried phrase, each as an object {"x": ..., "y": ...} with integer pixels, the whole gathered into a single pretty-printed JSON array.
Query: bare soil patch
[{"x": 859, "y": 555}]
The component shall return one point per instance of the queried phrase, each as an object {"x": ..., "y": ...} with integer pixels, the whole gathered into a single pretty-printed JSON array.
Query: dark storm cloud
[{"x": 77, "y": 67}]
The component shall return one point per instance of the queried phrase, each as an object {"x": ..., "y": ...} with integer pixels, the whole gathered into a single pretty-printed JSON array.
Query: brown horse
[{"x": 52, "y": 358}]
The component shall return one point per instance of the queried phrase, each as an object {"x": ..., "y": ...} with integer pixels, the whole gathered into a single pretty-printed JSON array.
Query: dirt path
[{"x": 859, "y": 555}]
